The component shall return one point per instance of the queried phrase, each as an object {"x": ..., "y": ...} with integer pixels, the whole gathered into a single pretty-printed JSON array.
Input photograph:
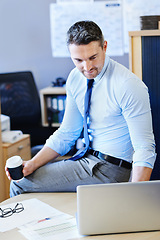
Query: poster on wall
[
  {"x": 115, "y": 17},
  {"x": 107, "y": 14}
]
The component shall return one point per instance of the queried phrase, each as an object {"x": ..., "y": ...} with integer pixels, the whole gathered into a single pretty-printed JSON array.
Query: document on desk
[
  {"x": 35, "y": 211},
  {"x": 59, "y": 226}
]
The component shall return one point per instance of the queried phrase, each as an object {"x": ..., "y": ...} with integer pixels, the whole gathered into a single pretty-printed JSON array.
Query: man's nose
[{"x": 87, "y": 66}]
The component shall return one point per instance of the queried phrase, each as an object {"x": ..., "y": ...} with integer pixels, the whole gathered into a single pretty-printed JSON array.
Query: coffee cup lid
[{"x": 14, "y": 161}]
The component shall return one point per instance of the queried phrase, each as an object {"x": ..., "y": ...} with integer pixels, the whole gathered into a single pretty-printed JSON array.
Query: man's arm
[
  {"x": 45, "y": 155},
  {"x": 141, "y": 174},
  {"x": 137, "y": 113}
]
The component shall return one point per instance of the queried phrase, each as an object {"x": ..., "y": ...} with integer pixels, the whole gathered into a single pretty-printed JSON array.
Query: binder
[
  {"x": 61, "y": 107},
  {"x": 55, "y": 108}
]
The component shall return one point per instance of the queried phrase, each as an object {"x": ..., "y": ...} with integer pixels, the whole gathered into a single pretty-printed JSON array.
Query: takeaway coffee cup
[{"x": 15, "y": 167}]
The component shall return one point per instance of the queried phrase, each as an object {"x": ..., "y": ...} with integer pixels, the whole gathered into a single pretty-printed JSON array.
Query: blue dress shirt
[{"x": 120, "y": 115}]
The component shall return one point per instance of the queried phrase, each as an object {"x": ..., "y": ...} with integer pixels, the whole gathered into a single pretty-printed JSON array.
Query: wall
[
  {"x": 25, "y": 41},
  {"x": 2, "y": 172}
]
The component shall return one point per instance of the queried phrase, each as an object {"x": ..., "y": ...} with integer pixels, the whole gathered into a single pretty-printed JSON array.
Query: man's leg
[
  {"x": 65, "y": 176},
  {"x": 54, "y": 177}
]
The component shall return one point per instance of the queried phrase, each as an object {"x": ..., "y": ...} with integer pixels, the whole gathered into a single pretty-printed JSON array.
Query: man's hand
[
  {"x": 45, "y": 155},
  {"x": 28, "y": 168},
  {"x": 7, "y": 173}
]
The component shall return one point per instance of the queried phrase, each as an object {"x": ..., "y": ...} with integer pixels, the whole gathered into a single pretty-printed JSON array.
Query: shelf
[
  {"x": 45, "y": 94},
  {"x": 53, "y": 90},
  {"x": 144, "y": 33}
]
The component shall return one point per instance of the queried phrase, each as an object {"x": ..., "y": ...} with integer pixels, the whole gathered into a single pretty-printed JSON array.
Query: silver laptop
[{"x": 118, "y": 207}]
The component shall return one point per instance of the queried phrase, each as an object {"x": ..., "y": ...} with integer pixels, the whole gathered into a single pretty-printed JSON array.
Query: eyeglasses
[{"x": 7, "y": 212}]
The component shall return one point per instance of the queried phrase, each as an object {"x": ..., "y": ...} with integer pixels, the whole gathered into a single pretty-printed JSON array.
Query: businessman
[{"x": 120, "y": 123}]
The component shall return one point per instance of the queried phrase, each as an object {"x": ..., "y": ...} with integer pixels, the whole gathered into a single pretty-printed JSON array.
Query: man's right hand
[
  {"x": 45, "y": 155},
  {"x": 28, "y": 168},
  {"x": 7, "y": 173}
]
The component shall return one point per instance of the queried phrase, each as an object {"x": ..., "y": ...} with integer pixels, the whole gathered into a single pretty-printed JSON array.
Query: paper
[
  {"x": 107, "y": 14},
  {"x": 33, "y": 209},
  {"x": 39, "y": 221},
  {"x": 59, "y": 226},
  {"x": 115, "y": 17}
]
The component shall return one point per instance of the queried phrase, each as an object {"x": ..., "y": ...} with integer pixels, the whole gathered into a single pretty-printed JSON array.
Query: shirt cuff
[
  {"x": 143, "y": 158},
  {"x": 142, "y": 164}
]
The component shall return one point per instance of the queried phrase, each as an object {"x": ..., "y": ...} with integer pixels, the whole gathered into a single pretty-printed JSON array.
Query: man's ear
[{"x": 105, "y": 46}]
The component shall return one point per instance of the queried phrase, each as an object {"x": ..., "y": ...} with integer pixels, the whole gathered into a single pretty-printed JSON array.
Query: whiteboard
[
  {"x": 107, "y": 14},
  {"x": 115, "y": 17}
]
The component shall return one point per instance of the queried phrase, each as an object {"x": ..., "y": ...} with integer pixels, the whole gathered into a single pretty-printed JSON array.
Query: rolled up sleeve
[
  {"x": 137, "y": 113},
  {"x": 64, "y": 138}
]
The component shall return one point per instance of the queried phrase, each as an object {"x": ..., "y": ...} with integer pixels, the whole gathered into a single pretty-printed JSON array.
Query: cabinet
[
  {"x": 21, "y": 148},
  {"x": 144, "y": 59},
  {"x": 52, "y": 105}
]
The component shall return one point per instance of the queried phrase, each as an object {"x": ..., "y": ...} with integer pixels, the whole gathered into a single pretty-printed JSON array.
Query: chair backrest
[{"x": 20, "y": 98}]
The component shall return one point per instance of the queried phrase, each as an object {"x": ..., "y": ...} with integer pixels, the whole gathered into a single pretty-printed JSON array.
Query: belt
[{"x": 117, "y": 161}]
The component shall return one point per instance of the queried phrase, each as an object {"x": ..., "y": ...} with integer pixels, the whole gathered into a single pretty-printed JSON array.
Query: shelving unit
[
  {"x": 144, "y": 59},
  {"x": 135, "y": 52},
  {"x": 44, "y": 95}
]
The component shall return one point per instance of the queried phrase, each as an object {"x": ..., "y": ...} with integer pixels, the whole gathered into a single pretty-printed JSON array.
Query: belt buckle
[{"x": 95, "y": 153}]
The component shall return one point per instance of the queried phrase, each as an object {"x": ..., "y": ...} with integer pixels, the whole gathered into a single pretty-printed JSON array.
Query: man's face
[{"x": 89, "y": 58}]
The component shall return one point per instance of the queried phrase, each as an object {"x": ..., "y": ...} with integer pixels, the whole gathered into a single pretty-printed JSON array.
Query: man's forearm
[
  {"x": 141, "y": 174},
  {"x": 44, "y": 156}
]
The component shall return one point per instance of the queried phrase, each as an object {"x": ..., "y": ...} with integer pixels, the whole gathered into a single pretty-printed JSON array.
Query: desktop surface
[{"x": 66, "y": 202}]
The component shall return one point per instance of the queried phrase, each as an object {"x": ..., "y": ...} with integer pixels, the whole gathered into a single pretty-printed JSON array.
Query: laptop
[{"x": 118, "y": 207}]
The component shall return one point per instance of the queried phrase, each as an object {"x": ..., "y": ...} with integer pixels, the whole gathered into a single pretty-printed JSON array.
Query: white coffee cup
[{"x": 15, "y": 167}]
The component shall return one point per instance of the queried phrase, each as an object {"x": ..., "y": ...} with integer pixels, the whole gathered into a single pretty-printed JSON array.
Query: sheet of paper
[
  {"x": 132, "y": 10},
  {"x": 33, "y": 209},
  {"x": 107, "y": 14},
  {"x": 60, "y": 226}
]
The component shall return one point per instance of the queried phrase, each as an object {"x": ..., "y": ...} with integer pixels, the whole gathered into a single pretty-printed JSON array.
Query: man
[{"x": 120, "y": 123}]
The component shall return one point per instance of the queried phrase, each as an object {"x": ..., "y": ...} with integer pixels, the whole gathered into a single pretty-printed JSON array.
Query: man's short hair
[{"x": 84, "y": 32}]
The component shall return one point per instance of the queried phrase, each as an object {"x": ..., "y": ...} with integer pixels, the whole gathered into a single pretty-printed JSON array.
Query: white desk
[{"x": 66, "y": 202}]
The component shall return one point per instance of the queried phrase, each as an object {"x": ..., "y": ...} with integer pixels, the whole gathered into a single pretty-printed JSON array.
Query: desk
[{"x": 66, "y": 202}]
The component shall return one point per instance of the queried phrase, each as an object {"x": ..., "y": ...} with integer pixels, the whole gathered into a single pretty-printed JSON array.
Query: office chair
[{"x": 20, "y": 101}]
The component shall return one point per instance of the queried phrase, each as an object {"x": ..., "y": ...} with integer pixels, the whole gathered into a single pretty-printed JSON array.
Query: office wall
[
  {"x": 2, "y": 172},
  {"x": 25, "y": 41}
]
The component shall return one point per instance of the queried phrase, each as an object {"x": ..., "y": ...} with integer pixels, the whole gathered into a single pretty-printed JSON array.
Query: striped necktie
[{"x": 80, "y": 153}]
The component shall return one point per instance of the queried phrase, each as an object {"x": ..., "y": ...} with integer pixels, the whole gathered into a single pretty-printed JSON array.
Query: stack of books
[{"x": 149, "y": 22}]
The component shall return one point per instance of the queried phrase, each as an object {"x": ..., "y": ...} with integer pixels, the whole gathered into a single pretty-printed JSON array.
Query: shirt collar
[{"x": 99, "y": 76}]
